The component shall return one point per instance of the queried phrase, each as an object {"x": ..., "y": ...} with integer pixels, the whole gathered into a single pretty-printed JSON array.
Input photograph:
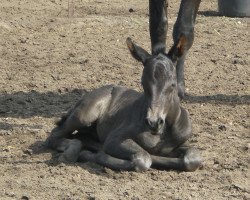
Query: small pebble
[
  {"x": 28, "y": 151},
  {"x": 25, "y": 198},
  {"x": 222, "y": 127},
  {"x": 131, "y": 10},
  {"x": 83, "y": 61},
  {"x": 91, "y": 198},
  {"x": 10, "y": 194},
  {"x": 23, "y": 40},
  {"x": 216, "y": 162},
  {"x": 213, "y": 60},
  {"x": 6, "y": 149},
  {"x": 247, "y": 147},
  {"x": 72, "y": 54}
]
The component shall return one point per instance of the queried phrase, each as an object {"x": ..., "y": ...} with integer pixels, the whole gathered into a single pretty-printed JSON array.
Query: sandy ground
[{"x": 48, "y": 59}]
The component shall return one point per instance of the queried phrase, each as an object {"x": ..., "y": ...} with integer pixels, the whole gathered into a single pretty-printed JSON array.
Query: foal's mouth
[{"x": 157, "y": 132}]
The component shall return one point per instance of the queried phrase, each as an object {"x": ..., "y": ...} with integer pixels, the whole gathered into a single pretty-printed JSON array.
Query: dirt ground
[{"x": 47, "y": 59}]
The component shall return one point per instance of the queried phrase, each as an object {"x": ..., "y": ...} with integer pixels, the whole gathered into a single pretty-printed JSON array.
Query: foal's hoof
[
  {"x": 86, "y": 156},
  {"x": 72, "y": 151},
  {"x": 66, "y": 158},
  {"x": 192, "y": 160},
  {"x": 142, "y": 161}
]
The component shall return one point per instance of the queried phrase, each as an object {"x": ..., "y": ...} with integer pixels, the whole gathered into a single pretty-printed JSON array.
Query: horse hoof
[
  {"x": 142, "y": 162},
  {"x": 192, "y": 160},
  {"x": 73, "y": 148},
  {"x": 86, "y": 156},
  {"x": 68, "y": 158}
]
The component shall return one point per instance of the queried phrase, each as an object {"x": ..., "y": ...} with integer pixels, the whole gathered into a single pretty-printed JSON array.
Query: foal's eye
[{"x": 173, "y": 85}]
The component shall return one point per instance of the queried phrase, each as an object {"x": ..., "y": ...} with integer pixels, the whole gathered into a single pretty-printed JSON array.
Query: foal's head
[{"x": 158, "y": 81}]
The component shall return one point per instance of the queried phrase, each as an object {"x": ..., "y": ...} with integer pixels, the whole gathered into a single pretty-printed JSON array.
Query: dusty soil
[{"x": 47, "y": 59}]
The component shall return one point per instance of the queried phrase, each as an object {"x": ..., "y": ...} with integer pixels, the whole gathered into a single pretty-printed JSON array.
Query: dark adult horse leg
[{"x": 184, "y": 26}]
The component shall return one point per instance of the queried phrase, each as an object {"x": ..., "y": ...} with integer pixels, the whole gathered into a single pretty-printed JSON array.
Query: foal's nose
[{"x": 154, "y": 125}]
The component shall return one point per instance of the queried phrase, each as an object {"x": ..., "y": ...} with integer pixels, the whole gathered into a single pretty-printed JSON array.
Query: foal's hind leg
[
  {"x": 62, "y": 131},
  {"x": 59, "y": 142},
  {"x": 185, "y": 26},
  {"x": 106, "y": 160},
  {"x": 70, "y": 149},
  {"x": 84, "y": 114}
]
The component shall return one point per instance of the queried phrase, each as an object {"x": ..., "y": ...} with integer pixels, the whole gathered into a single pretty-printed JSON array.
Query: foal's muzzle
[{"x": 155, "y": 125}]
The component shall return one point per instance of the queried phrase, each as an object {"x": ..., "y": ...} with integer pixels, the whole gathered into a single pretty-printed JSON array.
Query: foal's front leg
[
  {"x": 130, "y": 156},
  {"x": 120, "y": 154},
  {"x": 174, "y": 154},
  {"x": 185, "y": 26},
  {"x": 128, "y": 149},
  {"x": 106, "y": 160},
  {"x": 182, "y": 158}
]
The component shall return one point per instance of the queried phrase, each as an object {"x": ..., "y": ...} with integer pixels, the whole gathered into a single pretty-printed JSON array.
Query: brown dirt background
[{"x": 47, "y": 59}]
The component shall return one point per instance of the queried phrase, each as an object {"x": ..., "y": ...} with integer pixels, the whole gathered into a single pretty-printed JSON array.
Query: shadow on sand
[
  {"x": 33, "y": 103},
  {"x": 52, "y": 104},
  {"x": 219, "y": 99},
  {"x": 209, "y": 13}
]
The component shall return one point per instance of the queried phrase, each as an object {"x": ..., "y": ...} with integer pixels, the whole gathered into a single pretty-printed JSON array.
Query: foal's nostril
[
  {"x": 153, "y": 125},
  {"x": 160, "y": 121},
  {"x": 150, "y": 123}
]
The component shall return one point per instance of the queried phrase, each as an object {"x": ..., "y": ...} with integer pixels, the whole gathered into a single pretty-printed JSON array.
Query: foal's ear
[
  {"x": 137, "y": 52},
  {"x": 178, "y": 49}
]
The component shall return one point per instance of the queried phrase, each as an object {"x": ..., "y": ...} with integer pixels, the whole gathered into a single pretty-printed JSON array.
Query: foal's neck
[{"x": 174, "y": 110}]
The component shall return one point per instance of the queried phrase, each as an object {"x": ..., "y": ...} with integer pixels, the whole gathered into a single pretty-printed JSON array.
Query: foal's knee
[
  {"x": 142, "y": 161},
  {"x": 192, "y": 160}
]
